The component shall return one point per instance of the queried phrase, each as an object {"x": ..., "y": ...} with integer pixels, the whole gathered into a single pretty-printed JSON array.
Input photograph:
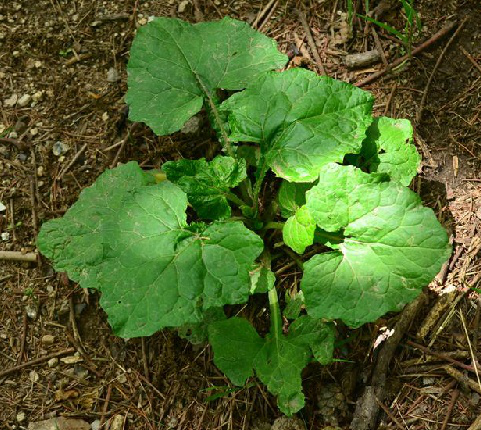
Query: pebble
[
  {"x": 13, "y": 135},
  {"x": 48, "y": 339},
  {"x": 11, "y": 101},
  {"x": 60, "y": 423},
  {"x": 182, "y": 5},
  {"x": 40, "y": 171},
  {"x": 33, "y": 131},
  {"x": 2, "y": 207},
  {"x": 71, "y": 359},
  {"x": 24, "y": 100},
  {"x": 33, "y": 375},
  {"x": 21, "y": 417},
  {"x": 5, "y": 236},
  {"x": 59, "y": 148},
  {"x": 52, "y": 362},
  {"x": 37, "y": 96},
  {"x": 113, "y": 75},
  {"x": 22, "y": 157},
  {"x": 95, "y": 425},
  {"x": 32, "y": 311}
]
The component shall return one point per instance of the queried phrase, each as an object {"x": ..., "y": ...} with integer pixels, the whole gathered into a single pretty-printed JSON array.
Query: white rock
[
  {"x": 95, "y": 425},
  {"x": 5, "y": 236},
  {"x": 37, "y": 96},
  {"x": 182, "y": 5},
  {"x": 11, "y": 101},
  {"x": 2, "y": 207},
  {"x": 21, "y": 417},
  {"x": 52, "y": 362},
  {"x": 71, "y": 360},
  {"x": 112, "y": 75},
  {"x": 33, "y": 131},
  {"x": 24, "y": 100},
  {"x": 48, "y": 339}
]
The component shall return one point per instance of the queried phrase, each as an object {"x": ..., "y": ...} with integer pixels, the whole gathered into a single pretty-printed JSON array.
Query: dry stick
[
  {"x": 310, "y": 41},
  {"x": 476, "y": 425},
  {"x": 441, "y": 356},
  {"x": 12, "y": 220},
  {"x": 367, "y": 407},
  {"x": 144, "y": 360},
  {"x": 36, "y": 361},
  {"x": 23, "y": 338},
  {"x": 454, "y": 397},
  {"x": 378, "y": 45},
  {"x": 268, "y": 16},
  {"x": 470, "y": 58},
  {"x": 389, "y": 99},
  {"x": 440, "y": 34},
  {"x": 262, "y": 12},
  {"x": 473, "y": 357},
  {"x": 463, "y": 379},
  {"x": 33, "y": 202},
  {"x": 431, "y": 76},
  {"x": 390, "y": 414},
  {"x": 21, "y": 146},
  {"x": 105, "y": 406},
  {"x": 18, "y": 256},
  {"x": 72, "y": 161}
]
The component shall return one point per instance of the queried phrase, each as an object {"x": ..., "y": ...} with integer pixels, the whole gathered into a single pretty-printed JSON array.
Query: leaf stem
[
  {"x": 235, "y": 199},
  {"x": 275, "y": 311},
  {"x": 273, "y": 225}
]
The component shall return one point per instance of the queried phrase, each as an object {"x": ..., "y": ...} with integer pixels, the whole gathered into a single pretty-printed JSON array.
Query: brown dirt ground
[{"x": 59, "y": 52}]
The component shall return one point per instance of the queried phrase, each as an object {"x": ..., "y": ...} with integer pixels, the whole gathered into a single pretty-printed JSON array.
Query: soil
[{"x": 64, "y": 121}]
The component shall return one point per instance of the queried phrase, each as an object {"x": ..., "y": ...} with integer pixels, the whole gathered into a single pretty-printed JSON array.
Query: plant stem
[
  {"x": 235, "y": 199},
  {"x": 275, "y": 311},
  {"x": 272, "y": 225}
]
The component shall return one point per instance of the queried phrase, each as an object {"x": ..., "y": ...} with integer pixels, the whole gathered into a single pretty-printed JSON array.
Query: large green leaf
[
  {"x": 392, "y": 246},
  {"x": 388, "y": 149},
  {"x": 152, "y": 269},
  {"x": 207, "y": 183},
  {"x": 278, "y": 362},
  {"x": 302, "y": 121},
  {"x": 175, "y": 66}
]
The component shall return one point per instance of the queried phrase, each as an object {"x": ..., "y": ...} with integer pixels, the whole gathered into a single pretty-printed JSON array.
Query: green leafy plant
[{"x": 304, "y": 165}]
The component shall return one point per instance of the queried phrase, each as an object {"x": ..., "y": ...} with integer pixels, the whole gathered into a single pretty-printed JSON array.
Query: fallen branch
[
  {"x": 311, "y": 43},
  {"x": 36, "y": 361},
  {"x": 440, "y": 34},
  {"x": 18, "y": 256}
]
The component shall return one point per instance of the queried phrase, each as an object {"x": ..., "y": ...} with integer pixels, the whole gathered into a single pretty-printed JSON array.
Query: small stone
[
  {"x": 13, "y": 135},
  {"x": 37, "y": 64},
  {"x": 95, "y": 425},
  {"x": 5, "y": 236},
  {"x": 59, "y": 148},
  {"x": 60, "y": 423},
  {"x": 11, "y": 101},
  {"x": 40, "y": 171},
  {"x": 142, "y": 21},
  {"x": 16, "y": 54},
  {"x": 37, "y": 96},
  {"x": 117, "y": 423},
  {"x": 21, "y": 417},
  {"x": 2, "y": 207},
  {"x": 33, "y": 131},
  {"x": 22, "y": 157},
  {"x": 73, "y": 359},
  {"x": 33, "y": 375},
  {"x": 32, "y": 311},
  {"x": 182, "y": 5},
  {"x": 52, "y": 362},
  {"x": 48, "y": 340},
  {"x": 112, "y": 75},
  {"x": 24, "y": 100}
]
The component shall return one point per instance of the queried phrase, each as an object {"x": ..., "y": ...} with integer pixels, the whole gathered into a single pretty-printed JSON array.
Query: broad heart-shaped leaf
[
  {"x": 392, "y": 246},
  {"x": 278, "y": 363},
  {"x": 207, "y": 183},
  {"x": 175, "y": 66},
  {"x": 302, "y": 121},
  {"x": 388, "y": 149},
  {"x": 131, "y": 240}
]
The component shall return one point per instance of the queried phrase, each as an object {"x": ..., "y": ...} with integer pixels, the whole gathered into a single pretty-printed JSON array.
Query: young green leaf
[
  {"x": 152, "y": 270},
  {"x": 262, "y": 279},
  {"x": 302, "y": 121},
  {"x": 207, "y": 183},
  {"x": 175, "y": 66},
  {"x": 392, "y": 247},
  {"x": 298, "y": 231},
  {"x": 278, "y": 363},
  {"x": 388, "y": 149}
]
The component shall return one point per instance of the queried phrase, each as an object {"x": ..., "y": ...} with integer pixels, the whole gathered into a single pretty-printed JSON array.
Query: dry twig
[
  {"x": 36, "y": 361},
  {"x": 310, "y": 41},
  {"x": 440, "y": 34},
  {"x": 18, "y": 256},
  {"x": 431, "y": 76}
]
